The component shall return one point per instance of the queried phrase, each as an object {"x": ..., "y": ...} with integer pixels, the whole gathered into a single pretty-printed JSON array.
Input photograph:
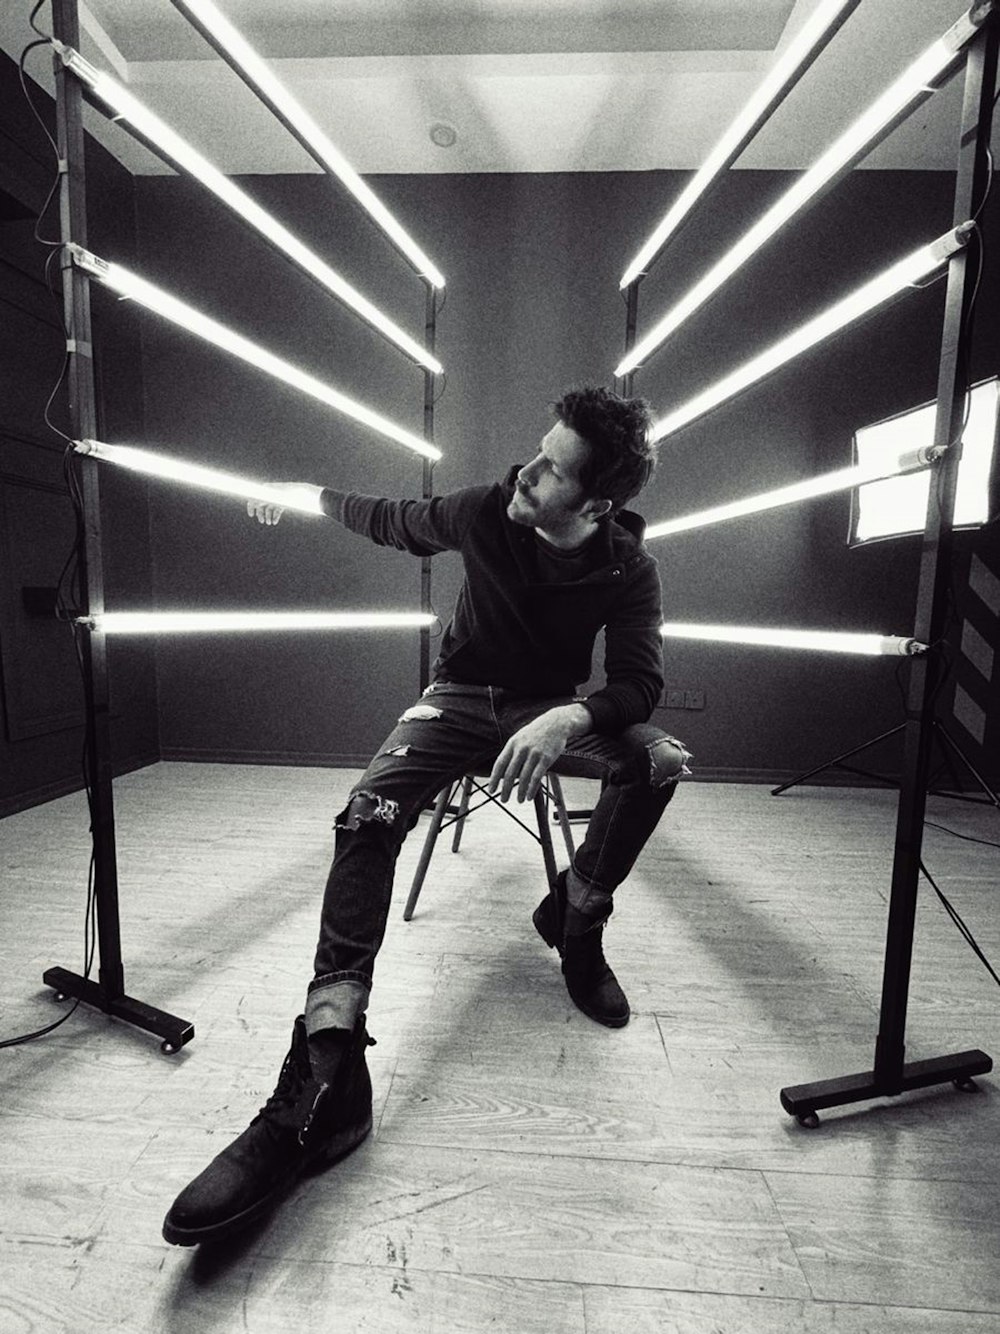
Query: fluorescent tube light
[
  {"x": 190, "y": 622},
  {"x": 180, "y": 154},
  {"x": 255, "y": 72},
  {"x": 304, "y": 499},
  {"x": 830, "y": 641},
  {"x": 128, "y": 284},
  {"x": 851, "y": 145},
  {"x": 776, "y": 84},
  {"x": 905, "y": 273},
  {"x": 844, "y": 479}
]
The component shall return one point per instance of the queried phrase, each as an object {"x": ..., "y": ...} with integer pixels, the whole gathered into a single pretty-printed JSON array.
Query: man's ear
[{"x": 597, "y": 509}]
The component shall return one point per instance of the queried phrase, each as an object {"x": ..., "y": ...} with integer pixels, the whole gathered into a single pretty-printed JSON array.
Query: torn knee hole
[
  {"x": 420, "y": 713},
  {"x": 366, "y": 807},
  {"x": 668, "y": 759}
]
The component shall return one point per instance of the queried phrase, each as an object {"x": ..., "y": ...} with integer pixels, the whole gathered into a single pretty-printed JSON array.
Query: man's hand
[
  {"x": 532, "y": 751},
  {"x": 270, "y": 511},
  {"x": 265, "y": 511}
]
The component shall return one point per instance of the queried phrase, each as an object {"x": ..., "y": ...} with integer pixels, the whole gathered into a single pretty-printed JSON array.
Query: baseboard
[
  {"x": 288, "y": 758},
  {"x": 777, "y": 777},
  {"x": 38, "y": 796}
]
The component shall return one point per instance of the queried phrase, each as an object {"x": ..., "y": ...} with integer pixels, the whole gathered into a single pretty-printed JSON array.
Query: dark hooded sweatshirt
[{"x": 517, "y": 623}]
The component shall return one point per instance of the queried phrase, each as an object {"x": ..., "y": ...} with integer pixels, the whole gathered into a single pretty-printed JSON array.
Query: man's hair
[{"x": 621, "y": 458}]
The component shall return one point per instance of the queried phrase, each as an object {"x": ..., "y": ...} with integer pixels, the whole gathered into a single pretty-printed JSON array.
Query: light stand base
[
  {"x": 174, "y": 1032},
  {"x": 805, "y": 1100}
]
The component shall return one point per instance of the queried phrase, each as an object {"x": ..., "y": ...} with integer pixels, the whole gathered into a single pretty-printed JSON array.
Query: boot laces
[{"x": 277, "y": 1113}]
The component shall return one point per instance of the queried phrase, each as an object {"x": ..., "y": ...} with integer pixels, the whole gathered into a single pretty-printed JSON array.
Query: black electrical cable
[
  {"x": 64, "y": 369},
  {"x": 89, "y": 942},
  {"x": 964, "y": 931},
  {"x": 40, "y": 4},
  {"x": 969, "y": 838},
  {"x": 989, "y": 185}
]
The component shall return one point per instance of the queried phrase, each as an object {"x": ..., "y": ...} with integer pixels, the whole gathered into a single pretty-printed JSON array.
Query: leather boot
[
  {"x": 590, "y": 982},
  {"x": 305, "y": 1124}
]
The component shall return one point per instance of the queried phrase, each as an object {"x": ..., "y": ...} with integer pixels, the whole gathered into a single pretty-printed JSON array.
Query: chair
[{"x": 550, "y": 793}]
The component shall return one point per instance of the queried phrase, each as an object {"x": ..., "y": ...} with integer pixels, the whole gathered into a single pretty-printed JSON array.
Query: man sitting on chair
[{"x": 550, "y": 558}]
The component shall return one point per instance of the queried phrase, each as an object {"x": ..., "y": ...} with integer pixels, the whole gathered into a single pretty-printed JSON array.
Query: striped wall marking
[
  {"x": 977, "y": 651},
  {"x": 985, "y": 584},
  {"x": 967, "y": 712}
]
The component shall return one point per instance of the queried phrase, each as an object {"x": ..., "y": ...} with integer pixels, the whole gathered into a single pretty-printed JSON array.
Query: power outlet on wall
[{"x": 683, "y": 699}]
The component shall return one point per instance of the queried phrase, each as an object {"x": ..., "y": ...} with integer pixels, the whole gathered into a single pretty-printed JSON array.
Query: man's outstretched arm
[{"x": 422, "y": 527}]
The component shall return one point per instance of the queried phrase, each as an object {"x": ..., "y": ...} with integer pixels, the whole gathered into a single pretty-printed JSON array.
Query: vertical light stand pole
[
  {"x": 631, "y": 319},
  {"x": 430, "y": 331},
  {"x": 108, "y": 992},
  {"x": 892, "y": 1075}
]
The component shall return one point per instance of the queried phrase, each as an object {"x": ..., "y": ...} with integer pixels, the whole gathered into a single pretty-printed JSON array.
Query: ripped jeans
[{"x": 453, "y": 730}]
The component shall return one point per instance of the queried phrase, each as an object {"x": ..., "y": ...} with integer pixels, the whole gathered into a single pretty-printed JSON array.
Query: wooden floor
[{"x": 530, "y": 1171}]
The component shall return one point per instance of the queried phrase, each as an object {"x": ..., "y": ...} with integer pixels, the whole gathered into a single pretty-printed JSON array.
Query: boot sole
[
  {"x": 338, "y": 1147},
  {"x": 607, "y": 1020}
]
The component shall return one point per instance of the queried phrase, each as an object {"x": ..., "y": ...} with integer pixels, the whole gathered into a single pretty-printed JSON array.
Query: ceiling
[{"x": 524, "y": 85}]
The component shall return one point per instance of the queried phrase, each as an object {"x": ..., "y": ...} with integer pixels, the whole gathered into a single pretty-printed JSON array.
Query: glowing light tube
[
  {"x": 776, "y": 84},
  {"x": 908, "y": 271},
  {"x": 181, "y": 155},
  {"x": 828, "y": 641},
  {"x": 304, "y": 499},
  {"x": 851, "y": 145},
  {"x": 194, "y": 622},
  {"x": 844, "y": 479},
  {"x": 254, "y": 71},
  {"x": 128, "y": 284}
]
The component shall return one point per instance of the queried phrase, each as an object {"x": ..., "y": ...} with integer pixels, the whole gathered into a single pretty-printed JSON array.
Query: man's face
[{"x": 547, "y": 493}]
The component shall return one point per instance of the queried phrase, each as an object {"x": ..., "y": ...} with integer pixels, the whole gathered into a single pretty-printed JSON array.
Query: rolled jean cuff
[
  {"x": 335, "y": 1000},
  {"x": 589, "y": 899}
]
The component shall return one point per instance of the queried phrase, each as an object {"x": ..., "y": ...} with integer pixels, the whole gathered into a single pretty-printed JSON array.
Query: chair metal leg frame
[
  {"x": 463, "y": 810},
  {"x": 441, "y": 805},
  {"x": 562, "y": 814},
  {"x": 545, "y": 838},
  {"x": 550, "y": 791}
]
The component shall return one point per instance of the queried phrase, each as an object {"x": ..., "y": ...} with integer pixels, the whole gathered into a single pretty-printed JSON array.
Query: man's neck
[{"x": 568, "y": 538}]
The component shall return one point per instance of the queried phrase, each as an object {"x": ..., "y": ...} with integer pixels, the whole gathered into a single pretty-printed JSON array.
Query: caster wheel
[
  {"x": 809, "y": 1120},
  {"x": 168, "y": 1048},
  {"x": 966, "y": 1085}
]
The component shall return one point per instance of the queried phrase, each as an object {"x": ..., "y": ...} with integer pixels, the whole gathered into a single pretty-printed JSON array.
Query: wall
[
  {"x": 533, "y": 306},
  {"x": 41, "y": 696}
]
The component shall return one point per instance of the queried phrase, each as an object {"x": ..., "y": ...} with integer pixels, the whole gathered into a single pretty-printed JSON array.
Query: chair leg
[
  {"x": 544, "y": 837},
  {"x": 463, "y": 809},
  {"x": 560, "y": 805},
  {"x": 428, "y": 848}
]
